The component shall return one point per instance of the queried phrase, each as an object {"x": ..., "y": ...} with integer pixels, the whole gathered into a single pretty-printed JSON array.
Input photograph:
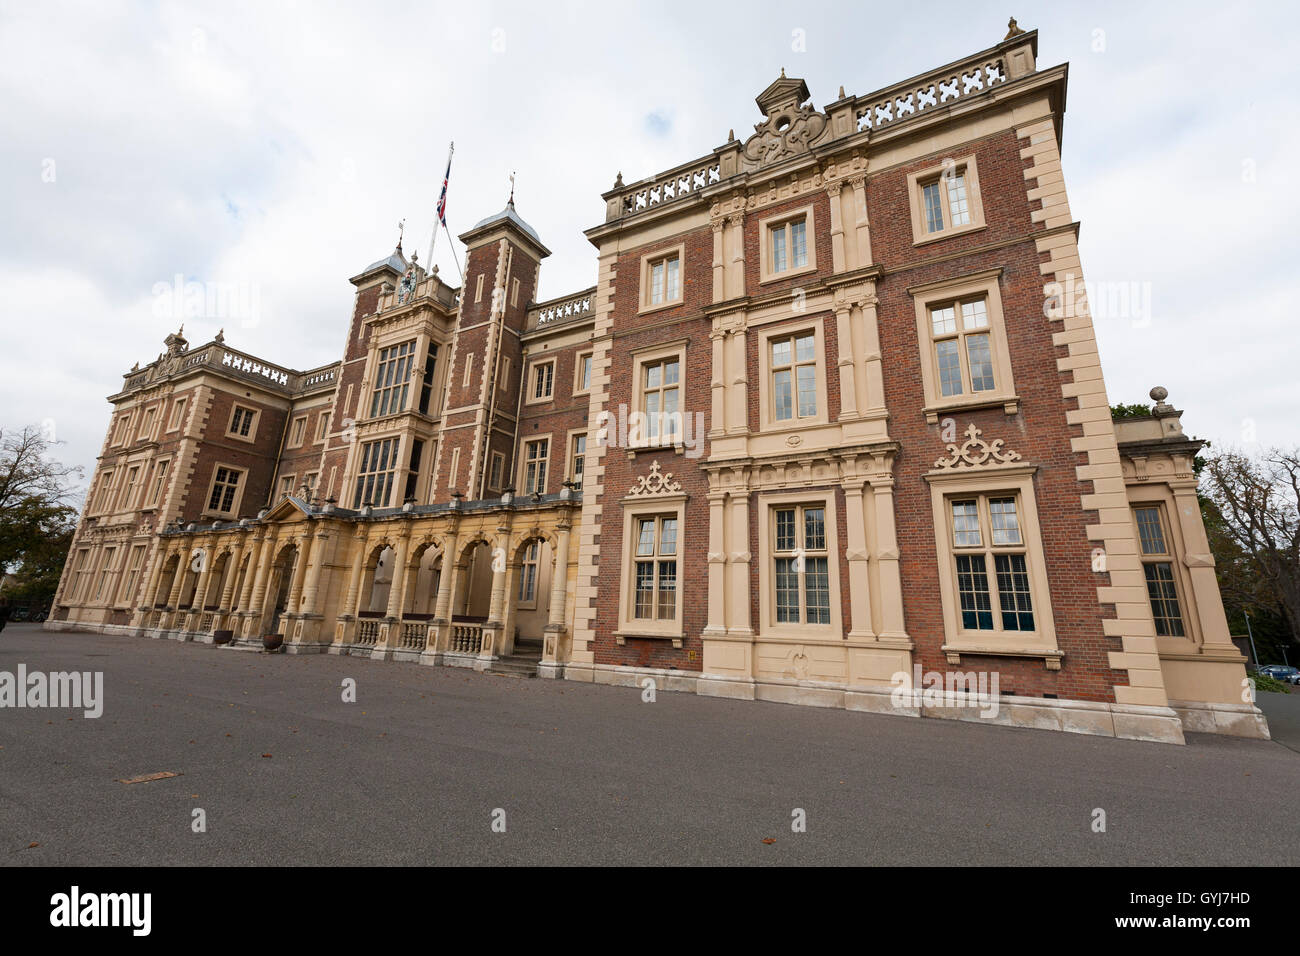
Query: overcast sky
[{"x": 274, "y": 148}]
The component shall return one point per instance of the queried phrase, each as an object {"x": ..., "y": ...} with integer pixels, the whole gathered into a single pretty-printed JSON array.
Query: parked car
[{"x": 1283, "y": 672}]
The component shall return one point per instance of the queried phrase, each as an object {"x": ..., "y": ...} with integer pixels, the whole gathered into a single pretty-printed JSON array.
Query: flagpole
[{"x": 434, "y": 238}]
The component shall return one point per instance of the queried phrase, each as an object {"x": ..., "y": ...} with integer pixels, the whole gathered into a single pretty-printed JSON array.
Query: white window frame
[
  {"x": 948, "y": 291},
  {"x": 241, "y": 485},
  {"x": 767, "y": 228},
  {"x": 1014, "y": 481},
  {"x": 767, "y": 380},
  {"x": 648, "y": 290},
  {"x": 541, "y": 373},
  {"x": 916, "y": 183}
]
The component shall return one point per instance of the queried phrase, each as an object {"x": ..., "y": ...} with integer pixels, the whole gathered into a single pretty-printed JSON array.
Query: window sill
[
  {"x": 621, "y": 635},
  {"x": 1051, "y": 656},
  {"x": 676, "y": 449},
  {"x": 769, "y": 277},
  {"x": 660, "y": 306},
  {"x": 1010, "y": 404},
  {"x": 949, "y": 234}
]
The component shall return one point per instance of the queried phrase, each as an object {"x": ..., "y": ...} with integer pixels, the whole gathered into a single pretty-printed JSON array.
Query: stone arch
[
  {"x": 242, "y": 571},
  {"x": 529, "y": 583},
  {"x": 472, "y": 598},
  {"x": 171, "y": 567},
  {"x": 377, "y": 578},
  {"x": 211, "y": 596},
  {"x": 426, "y": 567},
  {"x": 282, "y": 573}
]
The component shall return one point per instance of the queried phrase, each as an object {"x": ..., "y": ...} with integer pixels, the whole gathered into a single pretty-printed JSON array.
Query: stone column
[
  {"x": 257, "y": 603},
  {"x": 1199, "y": 562},
  {"x": 205, "y": 579},
  {"x": 160, "y": 556},
  {"x": 250, "y": 576},
  {"x": 859, "y": 572},
  {"x": 738, "y": 407},
  {"x": 182, "y": 568},
  {"x": 556, "y": 610},
  {"x": 848, "y": 381},
  {"x": 717, "y": 556},
  {"x": 891, "y": 583},
  {"x": 398, "y": 586},
  {"x": 299, "y": 571},
  {"x": 833, "y": 191},
  {"x": 311, "y": 589},
  {"x": 362, "y": 545},
  {"x": 738, "y": 567},
  {"x": 442, "y": 604},
  {"x": 719, "y": 266},
  {"x": 228, "y": 590},
  {"x": 500, "y": 575},
  {"x": 718, "y": 383}
]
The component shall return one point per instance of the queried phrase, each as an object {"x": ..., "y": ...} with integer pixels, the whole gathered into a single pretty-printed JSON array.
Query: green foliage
[
  {"x": 1129, "y": 411},
  {"x": 1268, "y": 684},
  {"x": 37, "y": 519}
]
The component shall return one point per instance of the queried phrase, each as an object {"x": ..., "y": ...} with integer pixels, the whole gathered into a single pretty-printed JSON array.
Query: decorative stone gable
[{"x": 791, "y": 128}]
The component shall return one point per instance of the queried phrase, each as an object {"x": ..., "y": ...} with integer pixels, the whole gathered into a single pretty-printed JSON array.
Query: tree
[
  {"x": 37, "y": 517},
  {"x": 1252, "y": 512}
]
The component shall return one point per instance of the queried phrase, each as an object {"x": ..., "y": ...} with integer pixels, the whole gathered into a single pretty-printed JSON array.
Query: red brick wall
[{"x": 1039, "y": 431}]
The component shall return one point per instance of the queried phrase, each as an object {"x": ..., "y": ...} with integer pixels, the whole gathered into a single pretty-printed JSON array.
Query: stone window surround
[
  {"x": 293, "y": 428},
  {"x": 578, "y": 388},
  {"x": 251, "y": 437},
  {"x": 939, "y": 293},
  {"x": 105, "y": 492},
  {"x": 916, "y": 181},
  {"x": 1012, "y": 480},
  {"x": 530, "y": 397},
  {"x": 150, "y": 502},
  {"x": 765, "y": 227},
  {"x": 769, "y": 502},
  {"x": 1177, "y": 558},
  {"x": 240, "y": 488},
  {"x": 648, "y": 260},
  {"x": 767, "y": 420},
  {"x": 148, "y": 423},
  {"x": 290, "y": 479},
  {"x": 670, "y": 505},
  {"x": 177, "y": 416},
  {"x": 122, "y": 430},
  {"x": 133, "y": 565},
  {"x": 570, "y": 438},
  {"x": 649, "y": 355},
  {"x": 521, "y": 482},
  {"x": 322, "y": 426},
  {"x": 493, "y": 458}
]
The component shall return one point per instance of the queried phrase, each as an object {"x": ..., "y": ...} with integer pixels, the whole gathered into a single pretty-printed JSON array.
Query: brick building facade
[{"x": 828, "y": 419}]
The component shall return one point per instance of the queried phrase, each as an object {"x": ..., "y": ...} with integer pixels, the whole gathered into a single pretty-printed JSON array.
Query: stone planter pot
[
  {"x": 222, "y": 637},
  {"x": 272, "y": 642}
]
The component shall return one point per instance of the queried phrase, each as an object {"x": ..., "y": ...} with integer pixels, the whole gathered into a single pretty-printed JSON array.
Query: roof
[
  {"x": 508, "y": 214},
  {"x": 396, "y": 261}
]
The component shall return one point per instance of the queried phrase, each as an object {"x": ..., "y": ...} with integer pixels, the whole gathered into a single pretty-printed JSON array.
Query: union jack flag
[{"x": 442, "y": 200}]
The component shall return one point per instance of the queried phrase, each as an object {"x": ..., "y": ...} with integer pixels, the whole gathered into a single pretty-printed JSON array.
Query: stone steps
[{"x": 522, "y": 663}]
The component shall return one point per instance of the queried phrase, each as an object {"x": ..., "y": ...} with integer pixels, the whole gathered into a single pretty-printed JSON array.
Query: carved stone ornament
[
  {"x": 791, "y": 127},
  {"x": 975, "y": 452},
  {"x": 655, "y": 483}
]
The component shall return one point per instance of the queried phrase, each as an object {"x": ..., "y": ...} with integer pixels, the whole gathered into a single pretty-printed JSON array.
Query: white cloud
[{"x": 275, "y": 147}]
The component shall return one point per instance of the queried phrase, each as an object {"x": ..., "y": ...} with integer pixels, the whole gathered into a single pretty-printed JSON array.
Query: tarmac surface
[{"x": 428, "y": 763}]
